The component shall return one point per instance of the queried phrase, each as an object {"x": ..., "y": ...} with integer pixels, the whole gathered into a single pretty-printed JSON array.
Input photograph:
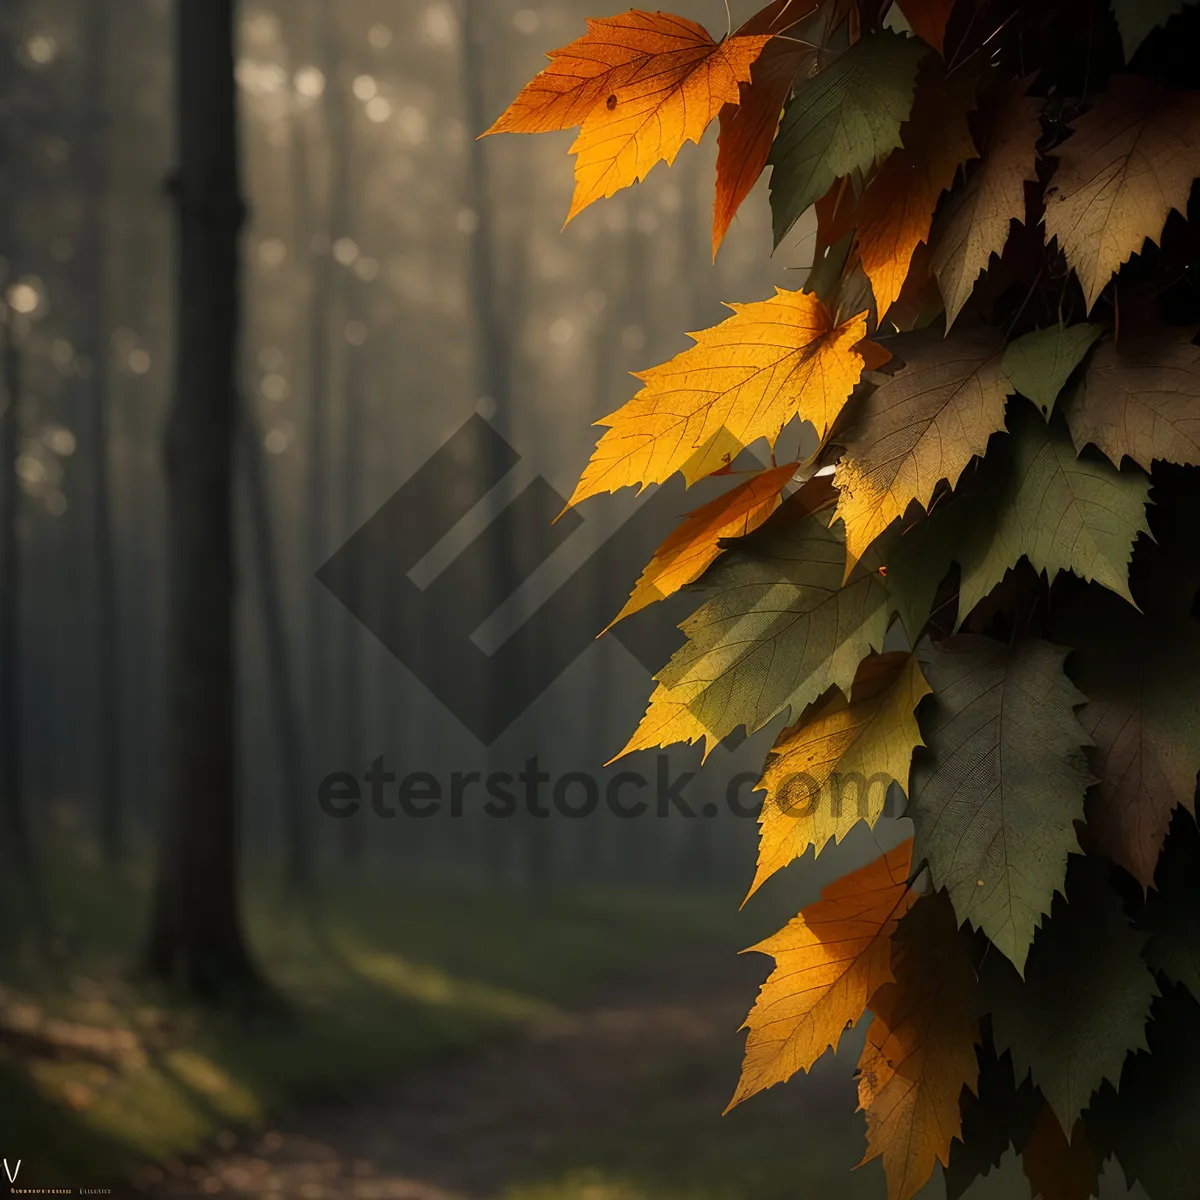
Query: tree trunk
[
  {"x": 104, "y": 613},
  {"x": 342, "y": 305},
  {"x": 20, "y": 856},
  {"x": 17, "y": 861},
  {"x": 196, "y": 939},
  {"x": 298, "y": 874}
]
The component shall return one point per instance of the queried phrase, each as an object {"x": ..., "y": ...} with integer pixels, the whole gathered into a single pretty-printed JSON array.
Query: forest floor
[
  {"x": 445, "y": 1045},
  {"x": 619, "y": 1100}
]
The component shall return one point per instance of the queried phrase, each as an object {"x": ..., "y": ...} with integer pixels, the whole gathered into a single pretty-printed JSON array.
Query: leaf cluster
[{"x": 996, "y": 349}]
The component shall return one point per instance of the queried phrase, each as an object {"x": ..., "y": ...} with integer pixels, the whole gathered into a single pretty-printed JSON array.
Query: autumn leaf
[
  {"x": 1058, "y": 1169},
  {"x": 1141, "y": 399},
  {"x": 975, "y": 220},
  {"x": 829, "y": 961},
  {"x": 995, "y": 799},
  {"x": 897, "y": 208},
  {"x": 1085, "y": 999},
  {"x": 647, "y": 120},
  {"x": 1061, "y": 512},
  {"x": 1143, "y": 714},
  {"x": 844, "y": 120},
  {"x": 919, "y": 1053},
  {"x": 836, "y": 213},
  {"x": 1137, "y": 19},
  {"x": 928, "y": 19},
  {"x": 746, "y": 378},
  {"x": 748, "y": 127},
  {"x": 921, "y": 426},
  {"x": 580, "y": 76},
  {"x": 833, "y": 768},
  {"x": 779, "y": 631},
  {"x": 639, "y": 85},
  {"x": 1039, "y": 364},
  {"x": 1131, "y": 159},
  {"x": 689, "y": 550}
]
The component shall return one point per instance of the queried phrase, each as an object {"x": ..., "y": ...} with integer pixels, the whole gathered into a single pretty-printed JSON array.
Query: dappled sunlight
[{"x": 431, "y": 985}]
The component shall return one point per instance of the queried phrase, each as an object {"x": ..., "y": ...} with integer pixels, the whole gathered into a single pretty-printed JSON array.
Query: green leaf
[
  {"x": 1138, "y": 18},
  {"x": 845, "y": 119},
  {"x": 1085, "y": 999},
  {"x": 919, "y": 558},
  {"x": 1040, "y": 363},
  {"x": 780, "y": 631},
  {"x": 995, "y": 799},
  {"x": 1061, "y": 512}
]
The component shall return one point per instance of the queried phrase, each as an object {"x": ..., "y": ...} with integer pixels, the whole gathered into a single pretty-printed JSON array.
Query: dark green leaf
[
  {"x": 1040, "y": 363},
  {"x": 995, "y": 799},
  {"x": 1085, "y": 999},
  {"x": 845, "y": 119},
  {"x": 1061, "y": 512}
]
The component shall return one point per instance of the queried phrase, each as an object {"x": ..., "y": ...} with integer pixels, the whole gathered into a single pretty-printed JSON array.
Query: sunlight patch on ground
[{"x": 433, "y": 986}]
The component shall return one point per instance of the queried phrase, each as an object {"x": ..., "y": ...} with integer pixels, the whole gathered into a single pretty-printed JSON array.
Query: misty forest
[{"x": 320, "y": 876}]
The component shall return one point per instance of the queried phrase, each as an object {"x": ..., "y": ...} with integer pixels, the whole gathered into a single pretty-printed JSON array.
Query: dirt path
[{"x": 466, "y": 1130}]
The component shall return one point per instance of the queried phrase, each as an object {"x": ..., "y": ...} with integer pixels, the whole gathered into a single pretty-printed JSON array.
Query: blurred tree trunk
[
  {"x": 299, "y": 875},
  {"x": 635, "y": 835},
  {"x": 12, "y": 793},
  {"x": 320, "y": 247},
  {"x": 196, "y": 939},
  {"x": 297, "y": 847},
  {"x": 104, "y": 614},
  {"x": 347, "y": 306},
  {"x": 695, "y": 271},
  {"x": 17, "y": 860},
  {"x": 495, "y": 322}
]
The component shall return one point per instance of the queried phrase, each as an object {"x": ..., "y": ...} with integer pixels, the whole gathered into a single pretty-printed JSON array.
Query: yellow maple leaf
[
  {"x": 897, "y": 208},
  {"x": 919, "y": 1052},
  {"x": 1131, "y": 159},
  {"x": 691, "y": 548},
  {"x": 833, "y": 768},
  {"x": 828, "y": 961},
  {"x": 921, "y": 426},
  {"x": 743, "y": 379}
]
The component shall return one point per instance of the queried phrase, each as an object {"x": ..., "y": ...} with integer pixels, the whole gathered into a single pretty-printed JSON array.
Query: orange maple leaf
[
  {"x": 743, "y": 379},
  {"x": 920, "y": 1049},
  {"x": 828, "y": 961},
  {"x": 691, "y": 548},
  {"x": 639, "y": 85},
  {"x": 748, "y": 127},
  {"x": 896, "y": 211}
]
